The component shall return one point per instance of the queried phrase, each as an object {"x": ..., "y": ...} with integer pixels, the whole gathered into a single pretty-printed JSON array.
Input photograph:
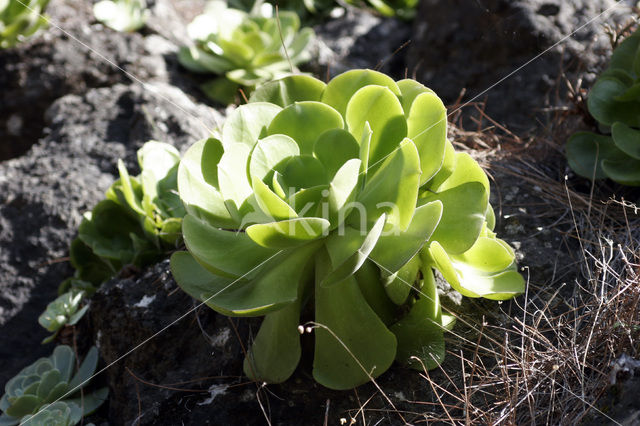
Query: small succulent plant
[
  {"x": 303, "y": 8},
  {"x": 244, "y": 49},
  {"x": 122, "y": 15},
  {"x": 338, "y": 201},
  {"x": 137, "y": 223},
  {"x": 64, "y": 311},
  {"x": 20, "y": 19},
  {"x": 614, "y": 101},
  {"x": 38, "y": 387},
  {"x": 57, "y": 414},
  {"x": 405, "y": 9}
]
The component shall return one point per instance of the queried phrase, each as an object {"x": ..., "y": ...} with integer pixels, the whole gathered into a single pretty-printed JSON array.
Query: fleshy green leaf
[
  {"x": 626, "y": 139},
  {"x": 90, "y": 401},
  {"x": 275, "y": 285},
  {"x": 108, "y": 232},
  {"x": 290, "y": 89},
  {"x": 304, "y": 171},
  {"x": 488, "y": 255},
  {"x": 234, "y": 183},
  {"x": 355, "y": 345},
  {"x": 306, "y": 202},
  {"x": 47, "y": 382},
  {"x": 304, "y": 122},
  {"x": 270, "y": 154},
  {"x": 471, "y": 281},
  {"x": 86, "y": 370},
  {"x": 398, "y": 284},
  {"x": 466, "y": 170},
  {"x": 394, "y": 250},
  {"x": 342, "y": 87},
  {"x": 625, "y": 171},
  {"x": 248, "y": 123},
  {"x": 368, "y": 279},
  {"x": 334, "y": 148},
  {"x": 198, "y": 181},
  {"x": 227, "y": 253},
  {"x": 393, "y": 189},
  {"x": 463, "y": 210},
  {"x": 288, "y": 233},
  {"x": 197, "y": 60},
  {"x": 448, "y": 165},
  {"x": 420, "y": 333},
  {"x": 348, "y": 249},
  {"x": 63, "y": 359},
  {"x": 427, "y": 127},
  {"x": 410, "y": 89},
  {"x": 275, "y": 352},
  {"x": 23, "y": 405},
  {"x": 623, "y": 56},
  {"x": 132, "y": 199},
  {"x": 270, "y": 203},
  {"x": 343, "y": 190},
  {"x": 586, "y": 151},
  {"x": 379, "y": 107},
  {"x": 604, "y": 108}
]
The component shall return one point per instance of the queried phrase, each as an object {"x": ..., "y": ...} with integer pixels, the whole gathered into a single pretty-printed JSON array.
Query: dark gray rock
[
  {"x": 358, "y": 39},
  {"x": 473, "y": 44},
  {"x": 44, "y": 193},
  {"x": 76, "y": 53}
]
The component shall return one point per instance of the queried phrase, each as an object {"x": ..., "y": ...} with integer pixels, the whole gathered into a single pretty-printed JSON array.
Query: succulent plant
[
  {"x": 401, "y": 8},
  {"x": 137, "y": 223},
  {"x": 63, "y": 311},
  {"x": 335, "y": 202},
  {"x": 45, "y": 382},
  {"x": 305, "y": 9},
  {"x": 244, "y": 49},
  {"x": 122, "y": 15},
  {"x": 405, "y": 9},
  {"x": 20, "y": 19},
  {"x": 57, "y": 414},
  {"x": 614, "y": 101}
]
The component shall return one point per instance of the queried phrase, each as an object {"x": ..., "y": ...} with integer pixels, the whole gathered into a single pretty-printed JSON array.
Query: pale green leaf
[
  {"x": 288, "y": 233},
  {"x": 342, "y": 87},
  {"x": 427, "y": 127},
  {"x": 304, "y": 122},
  {"x": 290, "y": 89},
  {"x": 228, "y": 253},
  {"x": 420, "y": 333},
  {"x": 248, "y": 123},
  {"x": 355, "y": 345},
  {"x": 348, "y": 249},
  {"x": 269, "y": 154},
  {"x": 463, "y": 210},
  {"x": 275, "y": 352},
  {"x": 379, "y": 107},
  {"x": 393, "y": 189},
  {"x": 334, "y": 148}
]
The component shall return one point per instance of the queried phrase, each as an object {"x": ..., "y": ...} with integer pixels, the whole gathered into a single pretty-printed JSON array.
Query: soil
[{"x": 68, "y": 113}]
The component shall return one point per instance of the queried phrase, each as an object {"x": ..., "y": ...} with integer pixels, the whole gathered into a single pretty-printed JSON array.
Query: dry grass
[
  {"x": 551, "y": 363},
  {"x": 547, "y": 356}
]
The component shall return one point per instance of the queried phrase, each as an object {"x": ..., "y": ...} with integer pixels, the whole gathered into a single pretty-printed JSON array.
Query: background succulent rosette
[
  {"x": 614, "y": 102},
  {"x": 336, "y": 202}
]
